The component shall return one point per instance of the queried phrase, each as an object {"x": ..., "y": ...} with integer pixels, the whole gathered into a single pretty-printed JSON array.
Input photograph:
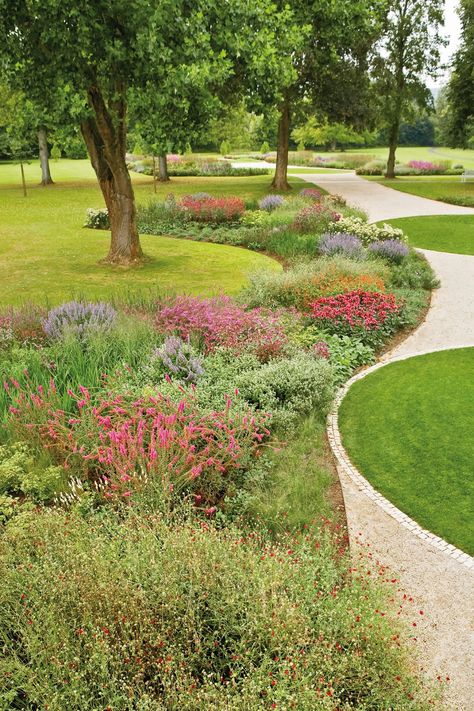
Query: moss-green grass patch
[
  {"x": 46, "y": 254},
  {"x": 441, "y": 233},
  {"x": 408, "y": 428}
]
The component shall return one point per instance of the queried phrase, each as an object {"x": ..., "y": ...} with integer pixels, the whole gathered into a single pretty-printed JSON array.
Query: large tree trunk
[
  {"x": 105, "y": 141},
  {"x": 46, "y": 178},
  {"x": 163, "y": 168},
  {"x": 393, "y": 144},
  {"x": 280, "y": 179}
]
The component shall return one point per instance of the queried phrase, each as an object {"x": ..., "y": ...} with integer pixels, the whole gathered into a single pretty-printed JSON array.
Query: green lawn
[
  {"x": 434, "y": 187},
  {"x": 408, "y": 153},
  {"x": 47, "y": 254},
  {"x": 408, "y": 428},
  {"x": 441, "y": 233}
]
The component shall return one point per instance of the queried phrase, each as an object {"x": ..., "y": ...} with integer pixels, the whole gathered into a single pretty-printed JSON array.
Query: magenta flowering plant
[
  {"x": 118, "y": 444},
  {"x": 220, "y": 322}
]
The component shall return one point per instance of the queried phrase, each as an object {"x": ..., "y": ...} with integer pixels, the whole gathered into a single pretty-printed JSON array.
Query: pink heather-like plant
[
  {"x": 220, "y": 322},
  {"x": 173, "y": 158},
  {"x": 356, "y": 309},
  {"x": 119, "y": 444}
]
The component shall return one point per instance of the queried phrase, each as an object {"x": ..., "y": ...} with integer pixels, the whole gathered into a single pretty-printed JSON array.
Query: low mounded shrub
[
  {"x": 311, "y": 193},
  {"x": 179, "y": 359},
  {"x": 315, "y": 218}
]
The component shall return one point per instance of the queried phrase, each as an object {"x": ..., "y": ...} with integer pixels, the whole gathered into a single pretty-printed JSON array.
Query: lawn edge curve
[{"x": 347, "y": 468}]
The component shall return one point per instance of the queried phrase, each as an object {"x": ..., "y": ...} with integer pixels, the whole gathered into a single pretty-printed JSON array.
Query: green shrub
[
  {"x": 21, "y": 474},
  {"x": 55, "y": 152},
  {"x": 140, "y": 615},
  {"x": 346, "y": 353},
  {"x": 265, "y": 148},
  {"x": 413, "y": 273},
  {"x": 225, "y": 148}
]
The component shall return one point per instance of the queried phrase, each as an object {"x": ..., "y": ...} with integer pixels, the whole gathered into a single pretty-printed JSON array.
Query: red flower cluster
[
  {"x": 213, "y": 209},
  {"x": 357, "y": 309}
]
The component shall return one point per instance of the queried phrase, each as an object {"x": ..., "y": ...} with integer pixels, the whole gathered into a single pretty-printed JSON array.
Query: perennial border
[{"x": 348, "y": 468}]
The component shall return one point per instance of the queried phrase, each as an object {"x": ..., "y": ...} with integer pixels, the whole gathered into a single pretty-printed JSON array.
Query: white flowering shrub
[
  {"x": 97, "y": 218},
  {"x": 365, "y": 231}
]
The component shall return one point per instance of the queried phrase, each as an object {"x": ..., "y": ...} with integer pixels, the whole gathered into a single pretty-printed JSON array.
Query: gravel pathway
[{"x": 440, "y": 586}]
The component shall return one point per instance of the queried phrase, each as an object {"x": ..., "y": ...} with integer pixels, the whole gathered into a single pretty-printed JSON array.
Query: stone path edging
[{"x": 348, "y": 468}]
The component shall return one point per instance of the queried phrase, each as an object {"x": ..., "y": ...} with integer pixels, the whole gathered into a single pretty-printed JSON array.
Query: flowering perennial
[
  {"x": 271, "y": 202},
  {"x": 220, "y": 322},
  {"x": 356, "y": 309},
  {"x": 341, "y": 243},
  {"x": 391, "y": 249},
  {"x": 80, "y": 319},
  {"x": 213, "y": 209},
  {"x": 314, "y": 216},
  {"x": 311, "y": 193},
  {"x": 121, "y": 443}
]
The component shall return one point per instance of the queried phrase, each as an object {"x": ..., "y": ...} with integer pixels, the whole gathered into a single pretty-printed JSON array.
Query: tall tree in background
[
  {"x": 460, "y": 94},
  {"x": 408, "y": 52},
  {"x": 330, "y": 67},
  {"x": 103, "y": 49}
]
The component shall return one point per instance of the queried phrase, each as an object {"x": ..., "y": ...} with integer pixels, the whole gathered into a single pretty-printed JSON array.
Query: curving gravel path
[{"x": 440, "y": 585}]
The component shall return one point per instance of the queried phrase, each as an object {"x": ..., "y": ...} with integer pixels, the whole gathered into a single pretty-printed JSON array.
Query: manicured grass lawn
[
  {"x": 408, "y": 428},
  {"x": 441, "y": 233},
  {"x": 407, "y": 153},
  {"x": 434, "y": 187},
  {"x": 45, "y": 253}
]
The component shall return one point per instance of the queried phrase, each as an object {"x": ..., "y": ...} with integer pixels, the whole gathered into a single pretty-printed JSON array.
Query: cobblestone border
[{"x": 334, "y": 437}]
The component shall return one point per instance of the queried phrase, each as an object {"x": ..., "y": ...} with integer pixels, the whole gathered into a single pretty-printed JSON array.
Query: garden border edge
[{"x": 348, "y": 468}]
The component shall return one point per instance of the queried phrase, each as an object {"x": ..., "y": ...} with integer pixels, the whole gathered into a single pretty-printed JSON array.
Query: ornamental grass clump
[
  {"x": 79, "y": 320},
  {"x": 391, "y": 249},
  {"x": 271, "y": 202},
  {"x": 219, "y": 322},
  {"x": 342, "y": 243}
]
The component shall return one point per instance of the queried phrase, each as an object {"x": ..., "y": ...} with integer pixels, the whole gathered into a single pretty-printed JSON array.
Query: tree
[
  {"x": 329, "y": 67},
  {"x": 329, "y": 135},
  {"x": 460, "y": 93},
  {"x": 104, "y": 50},
  {"x": 408, "y": 52}
]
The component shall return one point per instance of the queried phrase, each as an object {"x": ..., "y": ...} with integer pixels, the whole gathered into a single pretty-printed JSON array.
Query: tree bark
[
  {"x": 280, "y": 179},
  {"x": 163, "y": 168},
  {"x": 105, "y": 140},
  {"x": 393, "y": 144},
  {"x": 46, "y": 178}
]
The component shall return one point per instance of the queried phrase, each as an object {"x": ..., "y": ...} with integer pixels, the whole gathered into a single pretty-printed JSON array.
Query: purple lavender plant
[
  {"x": 271, "y": 202},
  {"x": 79, "y": 319},
  {"x": 179, "y": 358},
  {"x": 391, "y": 249},
  {"x": 342, "y": 243}
]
